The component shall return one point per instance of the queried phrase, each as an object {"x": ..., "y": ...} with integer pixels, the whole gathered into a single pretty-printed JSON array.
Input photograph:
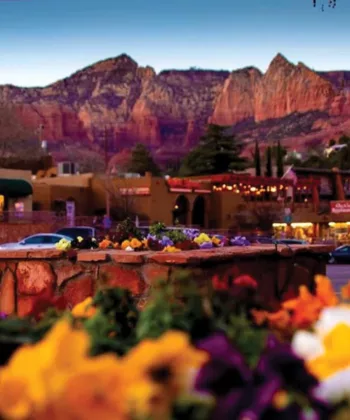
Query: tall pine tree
[
  {"x": 218, "y": 152},
  {"x": 268, "y": 170},
  {"x": 279, "y": 160},
  {"x": 257, "y": 160},
  {"x": 141, "y": 161}
]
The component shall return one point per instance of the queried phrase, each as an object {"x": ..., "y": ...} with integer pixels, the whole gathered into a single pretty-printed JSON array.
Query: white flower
[
  {"x": 128, "y": 248},
  {"x": 307, "y": 345},
  {"x": 335, "y": 388},
  {"x": 330, "y": 318}
]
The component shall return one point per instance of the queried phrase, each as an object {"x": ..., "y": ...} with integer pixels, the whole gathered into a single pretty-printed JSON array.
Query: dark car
[
  {"x": 85, "y": 232},
  {"x": 340, "y": 255},
  {"x": 291, "y": 242}
]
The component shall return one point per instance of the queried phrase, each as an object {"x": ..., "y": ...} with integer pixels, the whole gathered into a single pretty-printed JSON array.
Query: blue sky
[{"x": 42, "y": 41}]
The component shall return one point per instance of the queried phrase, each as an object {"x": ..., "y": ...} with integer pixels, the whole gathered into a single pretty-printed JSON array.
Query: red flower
[
  {"x": 219, "y": 283},
  {"x": 245, "y": 281}
]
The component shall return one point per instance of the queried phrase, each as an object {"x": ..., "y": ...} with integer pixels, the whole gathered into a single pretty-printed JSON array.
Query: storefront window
[{"x": 19, "y": 209}]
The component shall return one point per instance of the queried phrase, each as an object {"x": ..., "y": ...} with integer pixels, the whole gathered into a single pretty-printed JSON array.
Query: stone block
[
  {"x": 34, "y": 277},
  {"x": 7, "y": 293},
  {"x": 77, "y": 290},
  {"x": 124, "y": 277}
]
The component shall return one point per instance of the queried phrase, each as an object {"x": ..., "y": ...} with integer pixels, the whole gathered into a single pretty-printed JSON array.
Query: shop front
[
  {"x": 15, "y": 198},
  {"x": 305, "y": 231}
]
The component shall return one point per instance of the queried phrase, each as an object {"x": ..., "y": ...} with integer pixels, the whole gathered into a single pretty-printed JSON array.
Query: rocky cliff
[{"x": 168, "y": 111}]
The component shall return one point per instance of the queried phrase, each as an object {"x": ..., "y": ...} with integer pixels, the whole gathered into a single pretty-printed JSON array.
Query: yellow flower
[
  {"x": 202, "y": 238},
  {"x": 135, "y": 243},
  {"x": 36, "y": 374},
  {"x": 96, "y": 390},
  {"x": 171, "y": 249},
  {"x": 125, "y": 244},
  {"x": 80, "y": 239},
  {"x": 145, "y": 243},
  {"x": 63, "y": 245},
  {"x": 168, "y": 361},
  {"x": 84, "y": 309},
  {"x": 336, "y": 356}
]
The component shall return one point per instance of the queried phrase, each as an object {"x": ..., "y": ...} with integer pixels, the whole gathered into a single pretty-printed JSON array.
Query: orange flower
[
  {"x": 259, "y": 316},
  {"x": 106, "y": 243},
  {"x": 325, "y": 291},
  {"x": 306, "y": 307},
  {"x": 279, "y": 320},
  {"x": 345, "y": 291}
]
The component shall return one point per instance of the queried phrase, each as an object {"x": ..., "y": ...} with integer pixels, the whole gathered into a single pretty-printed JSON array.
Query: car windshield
[{"x": 75, "y": 232}]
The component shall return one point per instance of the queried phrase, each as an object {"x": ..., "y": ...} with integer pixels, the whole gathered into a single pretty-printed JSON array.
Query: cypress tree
[
  {"x": 279, "y": 160},
  {"x": 257, "y": 160},
  {"x": 268, "y": 171}
]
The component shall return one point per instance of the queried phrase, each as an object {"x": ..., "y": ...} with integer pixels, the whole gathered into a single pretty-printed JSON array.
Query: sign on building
[
  {"x": 70, "y": 211},
  {"x": 339, "y": 207}
]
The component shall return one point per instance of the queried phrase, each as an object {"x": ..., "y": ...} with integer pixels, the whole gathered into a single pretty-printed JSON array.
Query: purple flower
[
  {"x": 3, "y": 315},
  {"x": 165, "y": 241},
  {"x": 242, "y": 393},
  {"x": 206, "y": 245},
  {"x": 152, "y": 237},
  {"x": 191, "y": 233},
  {"x": 239, "y": 241}
]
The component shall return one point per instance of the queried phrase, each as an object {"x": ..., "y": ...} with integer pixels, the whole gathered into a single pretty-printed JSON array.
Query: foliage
[
  {"x": 279, "y": 160},
  {"x": 176, "y": 235},
  {"x": 113, "y": 327},
  {"x": 125, "y": 230},
  {"x": 257, "y": 160},
  {"x": 218, "y": 152},
  {"x": 141, "y": 161},
  {"x": 201, "y": 314},
  {"x": 268, "y": 170},
  {"x": 157, "y": 228}
]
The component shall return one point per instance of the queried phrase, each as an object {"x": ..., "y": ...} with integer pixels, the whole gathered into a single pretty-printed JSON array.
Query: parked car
[
  {"x": 340, "y": 255},
  {"x": 75, "y": 231},
  {"x": 39, "y": 241},
  {"x": 291, "y": 242}
]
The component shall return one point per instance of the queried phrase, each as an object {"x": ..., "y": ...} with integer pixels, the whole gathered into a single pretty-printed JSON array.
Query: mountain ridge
[{"x": 168, "y": 111}]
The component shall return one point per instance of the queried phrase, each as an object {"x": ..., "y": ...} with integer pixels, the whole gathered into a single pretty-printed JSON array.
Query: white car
[{"x": 39, "y": 241}]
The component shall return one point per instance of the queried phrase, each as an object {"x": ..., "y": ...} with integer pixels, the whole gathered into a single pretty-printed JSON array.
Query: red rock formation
[{"x": 168, "y": 111}]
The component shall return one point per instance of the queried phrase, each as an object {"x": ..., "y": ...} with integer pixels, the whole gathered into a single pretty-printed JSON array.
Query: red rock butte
[{"x": 169, "y": 111}]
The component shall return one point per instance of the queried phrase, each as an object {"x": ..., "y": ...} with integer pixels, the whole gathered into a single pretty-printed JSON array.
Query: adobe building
[
  {"x": 304, "y": 203},
  {"x": 16, "y": 192}
]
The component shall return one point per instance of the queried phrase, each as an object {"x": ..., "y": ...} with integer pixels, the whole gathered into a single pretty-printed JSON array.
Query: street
[{"x": 339, "y": 274}]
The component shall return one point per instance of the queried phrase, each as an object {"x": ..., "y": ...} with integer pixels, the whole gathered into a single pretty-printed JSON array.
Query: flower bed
[
  {"x": 130, "y": 238},
  {"x": 219, "y": 354}
]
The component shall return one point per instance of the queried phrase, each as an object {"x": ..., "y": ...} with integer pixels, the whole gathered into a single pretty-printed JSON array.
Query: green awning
[{"x": 14, "y": 188}]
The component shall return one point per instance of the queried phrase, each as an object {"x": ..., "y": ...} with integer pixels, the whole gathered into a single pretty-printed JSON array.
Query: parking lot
[{"x": 339, "y": 274}]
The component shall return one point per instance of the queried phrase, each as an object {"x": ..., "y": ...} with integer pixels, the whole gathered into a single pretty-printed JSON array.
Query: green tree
[
  {"x": 218, "y": 152},
  {"x": 279, "y": 160},
  {"x": 257, "y": 160},
  {"x": 141, "y": 161},
  {"x": 268, "y": 170}
]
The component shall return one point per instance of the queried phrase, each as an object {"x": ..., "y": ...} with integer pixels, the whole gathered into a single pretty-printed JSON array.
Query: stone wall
[{"x": 28, "y": 275}]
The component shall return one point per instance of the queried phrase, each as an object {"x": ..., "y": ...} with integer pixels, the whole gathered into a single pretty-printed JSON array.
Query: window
[
  {"x": 35, "y": 240},
  {"x": 344, "y": 250}
]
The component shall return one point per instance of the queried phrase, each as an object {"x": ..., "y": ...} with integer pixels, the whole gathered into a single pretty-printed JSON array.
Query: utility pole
[{"x": 108, "y": 201}]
